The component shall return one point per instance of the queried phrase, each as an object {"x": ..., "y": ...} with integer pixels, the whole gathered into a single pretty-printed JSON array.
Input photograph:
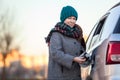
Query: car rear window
[{"x": 117, "y": 28}]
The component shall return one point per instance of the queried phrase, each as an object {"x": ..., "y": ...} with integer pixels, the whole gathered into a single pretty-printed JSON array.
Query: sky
[{"x": 35, "y": 18}]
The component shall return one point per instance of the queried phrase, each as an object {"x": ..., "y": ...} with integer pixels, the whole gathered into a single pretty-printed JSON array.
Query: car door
[{"x": 94, "y": 41}]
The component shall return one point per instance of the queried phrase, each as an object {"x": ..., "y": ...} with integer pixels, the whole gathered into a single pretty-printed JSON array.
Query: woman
[{"x": 66, "y": 43}]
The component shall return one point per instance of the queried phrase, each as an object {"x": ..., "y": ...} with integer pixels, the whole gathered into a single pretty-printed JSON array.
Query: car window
[
  {"x": 95, "y": 34},
  {"x": 88, "y": 41},
  {"x": 117, "y": 28}
]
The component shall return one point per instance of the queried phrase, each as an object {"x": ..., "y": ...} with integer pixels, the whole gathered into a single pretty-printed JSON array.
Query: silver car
[{"x": 103, "y": 44}]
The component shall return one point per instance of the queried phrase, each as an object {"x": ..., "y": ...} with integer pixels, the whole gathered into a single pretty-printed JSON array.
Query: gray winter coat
[{"x": 62, "y": 50}]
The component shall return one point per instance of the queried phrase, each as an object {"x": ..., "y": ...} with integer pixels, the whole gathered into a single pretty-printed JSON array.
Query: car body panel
[{"x": 97, "y": 43}]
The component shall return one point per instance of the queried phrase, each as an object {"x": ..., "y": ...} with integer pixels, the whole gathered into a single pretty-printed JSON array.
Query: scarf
[{"x": 72, "y": 32}]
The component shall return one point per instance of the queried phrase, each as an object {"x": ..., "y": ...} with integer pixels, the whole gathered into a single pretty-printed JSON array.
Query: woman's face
[{"x": 70, "y": 21}]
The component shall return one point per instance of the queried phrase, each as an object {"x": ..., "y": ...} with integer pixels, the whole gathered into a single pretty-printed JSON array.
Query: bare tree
[{"x": 6, "y": 36}]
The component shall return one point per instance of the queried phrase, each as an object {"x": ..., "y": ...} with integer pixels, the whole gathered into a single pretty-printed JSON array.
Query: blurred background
[{"x": 24, "y": 24}]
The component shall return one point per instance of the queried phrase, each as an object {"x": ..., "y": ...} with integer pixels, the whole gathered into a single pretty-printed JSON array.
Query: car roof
[{"x": 116, "y": 5}]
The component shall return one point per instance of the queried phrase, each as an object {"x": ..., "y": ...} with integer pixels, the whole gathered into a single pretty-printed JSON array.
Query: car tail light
[{"x": 113, "y": 53}]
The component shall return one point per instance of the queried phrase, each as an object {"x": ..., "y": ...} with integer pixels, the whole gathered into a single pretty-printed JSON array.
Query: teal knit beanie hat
[{"x": 68, "y": 11}]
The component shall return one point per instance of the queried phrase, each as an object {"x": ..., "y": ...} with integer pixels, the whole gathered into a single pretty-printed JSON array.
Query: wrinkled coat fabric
[{"x": 62, "y": 50}]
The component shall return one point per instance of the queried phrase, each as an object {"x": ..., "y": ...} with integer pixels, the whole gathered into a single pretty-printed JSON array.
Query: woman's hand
[{"x": 79, "y": 60}]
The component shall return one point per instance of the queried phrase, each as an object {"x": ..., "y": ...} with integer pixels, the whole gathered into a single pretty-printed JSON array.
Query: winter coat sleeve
[{"x": 57, "y": 53}]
